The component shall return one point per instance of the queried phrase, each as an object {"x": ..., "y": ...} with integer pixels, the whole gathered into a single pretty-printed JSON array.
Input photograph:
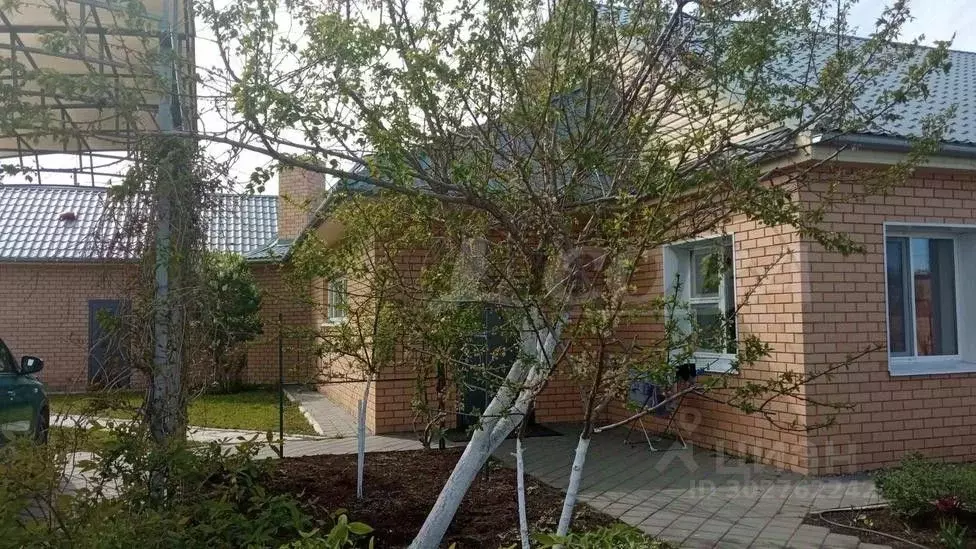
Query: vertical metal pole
[{"x": 281, "y": 390}]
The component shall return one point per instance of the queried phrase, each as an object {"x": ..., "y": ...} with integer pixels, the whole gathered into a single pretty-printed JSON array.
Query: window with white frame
[
  {"x": 337, "y": 299},
  {"x": 930, "y": 298},
  {"x": 702, "y": 273}
]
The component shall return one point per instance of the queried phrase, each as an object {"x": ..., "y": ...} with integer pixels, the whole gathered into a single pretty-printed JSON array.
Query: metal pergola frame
[{"x": 102, "y": 34}]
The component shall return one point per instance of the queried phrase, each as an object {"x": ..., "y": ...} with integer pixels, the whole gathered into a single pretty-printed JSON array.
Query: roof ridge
[{"x": 104, "y": 189}]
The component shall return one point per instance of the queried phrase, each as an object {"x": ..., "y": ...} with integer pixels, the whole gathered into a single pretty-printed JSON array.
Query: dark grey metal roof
[
  {"x": 58, "y": 223},
  {"x": 957, "y": 87}
]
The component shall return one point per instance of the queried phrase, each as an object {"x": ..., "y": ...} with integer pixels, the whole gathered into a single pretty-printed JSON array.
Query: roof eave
[{"x": 889, "y": 144}]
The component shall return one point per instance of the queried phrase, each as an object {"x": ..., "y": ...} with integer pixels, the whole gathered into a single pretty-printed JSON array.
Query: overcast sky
[{"x": 936, "y": 19}]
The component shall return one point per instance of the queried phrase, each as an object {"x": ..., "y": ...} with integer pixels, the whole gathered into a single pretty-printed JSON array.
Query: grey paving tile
[
  {"x": 698, "y": 498},
  {"x": 839, "y": 541}
]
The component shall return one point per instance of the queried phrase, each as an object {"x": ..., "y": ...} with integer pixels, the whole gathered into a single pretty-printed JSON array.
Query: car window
[{"x": 6, "y": 359}]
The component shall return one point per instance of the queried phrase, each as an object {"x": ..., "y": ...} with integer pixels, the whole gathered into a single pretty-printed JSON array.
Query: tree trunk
[
  {"x": 572, "y": 491},
  {"x": 501, "y": 416},
  {"x": 361, "y": 442},
  {"x": 520, "y": 484},
  {"x": 164, "y": 406}
]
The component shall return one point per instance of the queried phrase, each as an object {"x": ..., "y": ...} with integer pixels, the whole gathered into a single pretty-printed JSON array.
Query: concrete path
[
  {"x": 338, "y": 428},
  {"x": 698, "y": 498},
  {"x": 194, "y": 433},
  {"x": 327, "y": 418}
]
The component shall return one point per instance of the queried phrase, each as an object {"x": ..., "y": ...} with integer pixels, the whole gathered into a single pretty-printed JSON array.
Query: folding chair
[{"x": 652, "y": 395}]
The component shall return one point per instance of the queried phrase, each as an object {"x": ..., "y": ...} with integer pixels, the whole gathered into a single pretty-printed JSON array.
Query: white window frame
[
  {"x": 963, "y": 248},
  {"x": 335, "y": 314},
  {"x": 708, "y": 361}
]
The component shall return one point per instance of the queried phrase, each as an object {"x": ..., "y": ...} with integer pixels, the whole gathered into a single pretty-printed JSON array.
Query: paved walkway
[
  {"x": 327, "y": 418},
  {"x": 338, "y": 428},
  {"x": 194, "y": 433},
  {"x": 698, "y": 498}
]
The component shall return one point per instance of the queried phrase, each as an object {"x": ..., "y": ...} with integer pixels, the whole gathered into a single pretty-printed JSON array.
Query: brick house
[
  {"x": 912, "y": 294},
  {"x": 56, "y": 276},
  {"x": 909, "y": 290}
]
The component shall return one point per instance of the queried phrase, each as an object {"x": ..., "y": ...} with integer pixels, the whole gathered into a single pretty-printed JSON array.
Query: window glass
[
  {"x": 710, "y": 326},
  {"x": 921, "y": 280},
  {"x": 898, "y": 296},
  {"x": 7, "y": 363},
  {"x": 712, "y": 297},
  {"x": 337, "y": 299},
  {"x": 933, "y": 277},
  {"x": 706, "y": 273}
]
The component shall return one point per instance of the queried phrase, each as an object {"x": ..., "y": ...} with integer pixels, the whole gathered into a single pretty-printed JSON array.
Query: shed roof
[{"x": 64, "y": 223}]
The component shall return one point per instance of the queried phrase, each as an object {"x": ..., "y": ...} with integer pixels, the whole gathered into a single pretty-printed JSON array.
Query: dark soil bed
[
  {"x": 923, "y": 530},
  {"x": 401, "y": 487}
]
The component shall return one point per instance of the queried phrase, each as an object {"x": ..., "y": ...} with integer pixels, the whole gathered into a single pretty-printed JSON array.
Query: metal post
[{"x": 281, "y": 390}]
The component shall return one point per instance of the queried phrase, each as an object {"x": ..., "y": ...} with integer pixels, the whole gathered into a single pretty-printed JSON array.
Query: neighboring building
[{"x": 64, "y": 261}]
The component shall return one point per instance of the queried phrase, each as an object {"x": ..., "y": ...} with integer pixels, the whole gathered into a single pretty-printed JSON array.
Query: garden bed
[
  {"x": 401, "y": 487},
  {"x": 922, "y": 530}
]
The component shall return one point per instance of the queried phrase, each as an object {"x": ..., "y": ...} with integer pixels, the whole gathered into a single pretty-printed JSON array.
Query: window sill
[
  {"x": 334, "y": 322},
  {"x": 930, "y": 366},
  {"x": 713, "y": 363}
]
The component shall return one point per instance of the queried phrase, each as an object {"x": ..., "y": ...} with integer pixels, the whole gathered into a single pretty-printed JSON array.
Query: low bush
[
  {"x": 618, "y": 536},
  {"x": 138, "y": 494},
  {"x": 918, "y": 486}
]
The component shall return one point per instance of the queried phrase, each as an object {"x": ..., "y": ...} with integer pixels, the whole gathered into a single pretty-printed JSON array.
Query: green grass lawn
[
  {"x": 73, "y": 439},
  {"x": 253, "y": 409}
]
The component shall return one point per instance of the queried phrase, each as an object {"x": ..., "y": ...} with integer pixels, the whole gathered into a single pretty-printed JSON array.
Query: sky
[{"x": 936, "y": 19}]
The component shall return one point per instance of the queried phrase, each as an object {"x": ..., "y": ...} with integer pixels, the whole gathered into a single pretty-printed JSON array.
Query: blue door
[{"x": 108, "y": 364}]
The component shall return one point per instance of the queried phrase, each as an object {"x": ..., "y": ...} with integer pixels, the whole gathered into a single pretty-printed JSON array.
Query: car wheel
[{"x": 43, "y": 426}]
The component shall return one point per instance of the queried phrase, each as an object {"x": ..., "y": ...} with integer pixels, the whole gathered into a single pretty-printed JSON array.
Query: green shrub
[
  {"x": 952, "y": 535},
  {"x": 920, "y": 486},
  {"x": 618, "y": 536},
  {"x": 142, "y": 495}
]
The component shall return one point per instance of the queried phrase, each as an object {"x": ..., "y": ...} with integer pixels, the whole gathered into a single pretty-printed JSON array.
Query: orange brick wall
[
  {"x": 279, "y": 297},
  {"x": 768, "y": 279},
  {"x": 300, "y": 192},
  {"x": 813, "y": 308},
  {"x": 845, "y": 313},
  {"x": 342, "y": 378},
  {"x": 45, "y": 313}
]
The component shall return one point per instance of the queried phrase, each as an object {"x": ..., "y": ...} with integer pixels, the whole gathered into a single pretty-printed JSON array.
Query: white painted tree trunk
[
  {"x": 361, "y": 442},
  {"x": 520, "y": 485},
  {"x": 572, "y": 491},
  {"x": 505, "y": 411}
]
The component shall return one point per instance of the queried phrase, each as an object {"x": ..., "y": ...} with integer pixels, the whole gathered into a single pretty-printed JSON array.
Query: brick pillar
[{"x": 299, "y": 192}]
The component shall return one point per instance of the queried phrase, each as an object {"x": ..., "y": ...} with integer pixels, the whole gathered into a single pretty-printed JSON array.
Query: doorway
[{"x": 108, "y": 363}]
